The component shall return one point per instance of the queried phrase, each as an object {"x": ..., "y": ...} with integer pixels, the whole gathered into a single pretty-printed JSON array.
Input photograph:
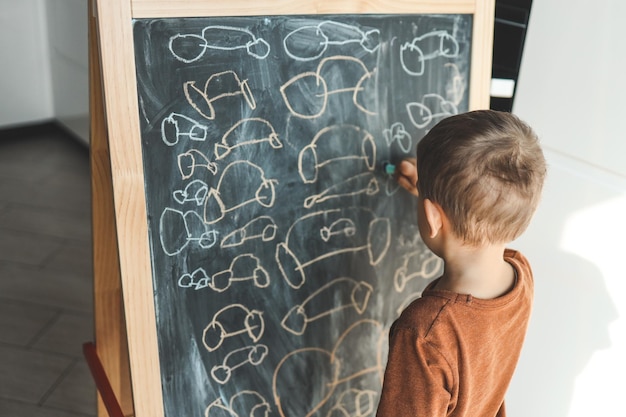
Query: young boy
[{"x": 478, "y": 179}]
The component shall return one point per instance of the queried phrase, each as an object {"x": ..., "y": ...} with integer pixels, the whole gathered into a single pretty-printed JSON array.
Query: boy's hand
[{"x": 406, "y": 175}]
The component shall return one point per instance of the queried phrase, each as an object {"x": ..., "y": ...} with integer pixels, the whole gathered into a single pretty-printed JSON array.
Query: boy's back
[{"x": 459, "y": 352}]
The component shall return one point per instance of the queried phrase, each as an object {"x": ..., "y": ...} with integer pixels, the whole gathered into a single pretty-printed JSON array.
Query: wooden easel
[
  {"x": 109, "y": 363},
  {"x": 125, "y": 331}
]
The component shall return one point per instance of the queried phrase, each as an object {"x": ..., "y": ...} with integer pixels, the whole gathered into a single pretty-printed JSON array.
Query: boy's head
[{"x": 486, "y": 170}]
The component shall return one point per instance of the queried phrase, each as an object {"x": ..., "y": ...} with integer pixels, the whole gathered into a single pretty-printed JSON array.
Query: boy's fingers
[
  {"x": 407, "y": 185},
  {"x": 407, "y": 176},
  {"x": 408, "y": 169}
]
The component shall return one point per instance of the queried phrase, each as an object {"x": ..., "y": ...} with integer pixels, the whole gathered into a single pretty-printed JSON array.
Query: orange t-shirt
[{"x": 454, "y": 355}]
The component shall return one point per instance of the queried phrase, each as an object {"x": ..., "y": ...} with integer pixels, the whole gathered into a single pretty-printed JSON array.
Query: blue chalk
[{"x": 390, "y": 168}]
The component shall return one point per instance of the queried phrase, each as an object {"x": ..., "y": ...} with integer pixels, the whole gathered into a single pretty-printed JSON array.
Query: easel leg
[
  {"x": 110, "y": 327},
  {"x": 107, "y": 396}
]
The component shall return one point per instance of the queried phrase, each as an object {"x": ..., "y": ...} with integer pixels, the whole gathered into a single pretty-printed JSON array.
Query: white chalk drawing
[
  {"x": 178, "y": 229},
  {"x": 345, "y": 227},
  {"x": 258, "y": 190},
  {"x": 239, "y": 135},
  {"x": 249, "y": 403},
  {"x": 244, "y": 267},
  {"x": 262, "y": 227},
  {"x": 218, "y": 86},
  {"x": 409, "y": 239},
  {"x": 249, "y": 355},
  {"x": 195, "y": 191},
  {"x": 336, "y": 144},
  {"x": 177, "y": 126},
  {"x": 456, "y": 88},
  {"x": 417, "y": 264},
  {"x": 346, "y": 293},
  {"x": 293, "y": 262},
  {"x": 414, "y": 54},
  {"x": 189, "y": 160},
  {"x": 432, "y": 108},
  {"x": 363, "y": 332},
  {"x": 308, "y": 43},
  {"x": 397, "y": 133},
  {"x": 197, "y": 280},
  {"x": 355, "y": 402},
  {"x": 360, "y": 184},
  {"x": 306, "y": 95},
  {"x": 189, "y": 48},
  {"x": 391, "y": 186},
  {"x": 408, "y": 300},
  {"x": 242, "y": 320}
]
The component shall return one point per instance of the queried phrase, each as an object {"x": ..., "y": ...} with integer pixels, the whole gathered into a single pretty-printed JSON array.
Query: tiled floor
[{"x": 45, "y": 275}]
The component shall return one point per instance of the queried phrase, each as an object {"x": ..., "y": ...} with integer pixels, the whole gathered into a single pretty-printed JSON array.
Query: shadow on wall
[{"x": 572, "y": 310}]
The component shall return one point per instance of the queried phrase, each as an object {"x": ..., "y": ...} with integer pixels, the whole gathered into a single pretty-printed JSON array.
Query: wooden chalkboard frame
[{"x": 119, "y": 216}]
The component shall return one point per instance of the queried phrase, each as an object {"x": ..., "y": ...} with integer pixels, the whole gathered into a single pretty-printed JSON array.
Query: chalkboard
[{"x": 280, "y": 249}]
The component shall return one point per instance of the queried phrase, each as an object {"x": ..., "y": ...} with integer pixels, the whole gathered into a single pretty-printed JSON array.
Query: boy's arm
[
  {"x": 418, "y": 380},
  {"x": 406, "y": 175}
]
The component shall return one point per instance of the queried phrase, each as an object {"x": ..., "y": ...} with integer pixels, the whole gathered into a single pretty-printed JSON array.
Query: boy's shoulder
[
  {"x": 421, "y": 314},
  {"x": 440, "y": 310}
]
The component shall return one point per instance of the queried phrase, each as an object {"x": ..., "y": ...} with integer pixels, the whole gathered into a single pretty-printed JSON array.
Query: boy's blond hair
[{"x": 486, "y": 170}]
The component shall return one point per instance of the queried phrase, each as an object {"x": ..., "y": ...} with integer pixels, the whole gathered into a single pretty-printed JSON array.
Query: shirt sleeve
[
  {"x": 501, "y": 411},
  {"x": 418, "y": 380}
]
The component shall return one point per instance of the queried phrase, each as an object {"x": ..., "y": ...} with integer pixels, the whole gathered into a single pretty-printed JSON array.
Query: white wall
[
  {"x": 25, "y": 84},
  {"x": 570, "y": 90},
  {"x": 68, "y": 43},
  {"x": 45, "y": 75}
]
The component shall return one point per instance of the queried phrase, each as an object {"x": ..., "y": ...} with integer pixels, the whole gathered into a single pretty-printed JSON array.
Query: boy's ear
[{"x": 434, "y": 217}]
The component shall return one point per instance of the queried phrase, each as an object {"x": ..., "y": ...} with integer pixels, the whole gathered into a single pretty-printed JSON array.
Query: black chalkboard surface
[{"x": 281, "y": 251}]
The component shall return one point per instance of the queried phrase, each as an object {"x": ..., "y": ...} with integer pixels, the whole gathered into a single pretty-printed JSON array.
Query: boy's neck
[{"x": 481, "y": 272}]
